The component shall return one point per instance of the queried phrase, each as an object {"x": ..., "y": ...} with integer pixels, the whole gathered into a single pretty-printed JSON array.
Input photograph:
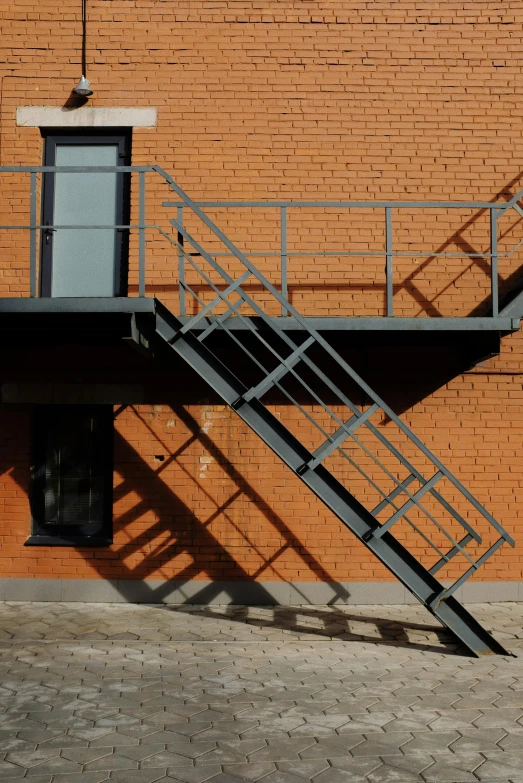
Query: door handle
[{"x": 48, "y": 231}]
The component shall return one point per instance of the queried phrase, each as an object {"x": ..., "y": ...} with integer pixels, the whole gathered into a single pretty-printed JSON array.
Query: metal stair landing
[{"x": 334, "y": 432}]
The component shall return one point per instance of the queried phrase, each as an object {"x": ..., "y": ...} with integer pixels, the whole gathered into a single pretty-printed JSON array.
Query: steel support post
[
  {"x": 32, "y": 235},
  {"x": 494, "y": 261},
  {"x": 283, "y": 254},
  {"x": 141, "y": 235},
  {"x": 388, "y": 266}
]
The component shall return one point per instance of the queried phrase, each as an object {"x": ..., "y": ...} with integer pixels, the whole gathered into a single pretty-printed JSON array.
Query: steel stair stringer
[{"x": 399, "y": 561}]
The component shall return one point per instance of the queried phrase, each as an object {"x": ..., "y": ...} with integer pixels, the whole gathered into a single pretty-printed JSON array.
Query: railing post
[
  {"x": 283, "y": 257},
  {"x": 494, "y": 261},
  {"x": 181, "y": 264},
  {"x": 141, "y": 236},
  {"x": 388, "y": 262},
  {"x": 32, "y": 236}
]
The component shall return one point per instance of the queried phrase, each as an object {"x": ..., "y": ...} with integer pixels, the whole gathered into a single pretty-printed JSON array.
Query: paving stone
[
  {"x": 84, "y": 755},
  {"x": 111, "y": 761},
  {"x": 14, "y": 743},
  {"x": 91, "y": 734},
  {"x": 33, "y": 778},
  {"x": 360, "y": 766},
  {"x": 413, "y": 763},
  {"x": 140, "y": 752},
  {"x": 279, "y": 776},
  {"x": 280, "y": 750},
  {"x": 313, "y": 730},
  {"x": 455, "y": 719},
  {"x": 411, "y": 720},
  {"x": 193, "y": 729},
  {"x": 7, "y": 769},
  {"x": 333, "y": 775},
  {"x": 31, "y": 758},
  {"x": 430, "y": 741},
  {"x": 499, "y": 717},
  {"x": 251, "y": 772},
  {"x": 464, "y": 761},
  {"x": 473, "y": 739},
  {"x": 442, "y": 701},
  {"x": 139, "y": 730},
  {"x": 512, "y": 758},
  {"x": 114, "y": 740},
  {"x": 366, "y": 722},
  {"x": 380, "y": 744},
  {"x": 510, "y": 699},
  {"x": 389, "y": 774},
  {"x": 275, "y": 728},
  {"x": 136, "y": 776},
  {"x": 325, "y": 747},
  {"x": 443, "y": 773},
  {"x": 511, "y": 741},
  {"x": 190, "y": 749},
  {"x": 55, "y": 766},
  {"x": 197, "y": 774},
  {"x": 82, "y": 777},
  {"x": 307, "y": 768},
  {"x": 165, "y": 759}
]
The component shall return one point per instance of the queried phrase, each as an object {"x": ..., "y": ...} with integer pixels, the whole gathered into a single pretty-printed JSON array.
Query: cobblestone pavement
[{"x": 138, "y": 694}]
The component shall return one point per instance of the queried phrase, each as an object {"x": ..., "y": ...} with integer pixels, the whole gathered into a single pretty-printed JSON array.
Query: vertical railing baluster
[
  {"x": 494, "y": 261},
  {"x": 141, "y": 235},
  {"x": 388, "y": 263},
  {"x": 32, "y": 237},
  {"x": 181, "y": 264},
  {"x": 283, "y": 257}
]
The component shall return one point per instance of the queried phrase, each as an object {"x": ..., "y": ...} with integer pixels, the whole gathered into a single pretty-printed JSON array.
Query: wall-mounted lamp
[{"x": 83, "y": 88}]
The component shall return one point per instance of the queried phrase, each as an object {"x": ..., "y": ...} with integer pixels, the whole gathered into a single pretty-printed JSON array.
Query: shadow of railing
[
  {"x": 191, "y": 534},
  {"x": 332, "y": 623}
]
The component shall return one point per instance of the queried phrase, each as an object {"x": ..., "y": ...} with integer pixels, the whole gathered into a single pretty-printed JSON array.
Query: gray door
[{"x": 80, "y": 262}]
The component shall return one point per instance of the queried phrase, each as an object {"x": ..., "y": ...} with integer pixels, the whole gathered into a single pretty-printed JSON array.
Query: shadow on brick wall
[{"x": 177, "y": 529}]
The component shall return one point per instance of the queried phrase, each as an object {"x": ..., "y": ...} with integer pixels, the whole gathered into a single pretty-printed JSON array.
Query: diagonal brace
[
  {"x": 405, "y": 507},
  {"x": 335, "y": 440},
  {"x": 394, "y": 494},
  {"x": 272, "y": 378},
  {"x": 450, "y": 554},
  {"x": 222, "y": 297}
]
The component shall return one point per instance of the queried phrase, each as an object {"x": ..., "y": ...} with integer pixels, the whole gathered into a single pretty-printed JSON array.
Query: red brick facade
[{"x": 288, "y": 99}]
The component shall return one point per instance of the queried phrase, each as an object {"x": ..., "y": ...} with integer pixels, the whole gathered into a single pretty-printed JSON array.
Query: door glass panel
[{"x": 84, "y": 260}]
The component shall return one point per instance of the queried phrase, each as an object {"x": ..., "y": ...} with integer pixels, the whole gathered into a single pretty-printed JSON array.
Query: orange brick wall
[{"x": 288, "y": 99}]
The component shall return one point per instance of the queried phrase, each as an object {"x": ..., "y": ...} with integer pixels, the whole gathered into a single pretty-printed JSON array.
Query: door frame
[{"x": 119, "y": 136}]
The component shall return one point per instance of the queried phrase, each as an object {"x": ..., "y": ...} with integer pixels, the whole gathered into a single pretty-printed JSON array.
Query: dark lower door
[{"x": 88, "y": 261}]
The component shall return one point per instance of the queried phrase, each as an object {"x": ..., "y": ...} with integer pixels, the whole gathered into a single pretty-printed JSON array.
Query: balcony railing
[{"x": 388, "y": 209}]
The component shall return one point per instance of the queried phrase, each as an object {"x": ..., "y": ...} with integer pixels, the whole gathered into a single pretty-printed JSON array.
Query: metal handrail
[
  {"x": 284, "y": 253},
  {"x": 34, "y": 227},
  {"x": 495, "y": 208}
]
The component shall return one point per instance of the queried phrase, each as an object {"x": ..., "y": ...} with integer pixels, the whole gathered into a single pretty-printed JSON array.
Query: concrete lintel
[
  {"x": 240, "y": 592},
  {"x": 86, "y": 117}
]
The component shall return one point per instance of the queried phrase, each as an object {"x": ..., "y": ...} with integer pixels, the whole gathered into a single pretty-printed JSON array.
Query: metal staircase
[{"x": 400, "y": 501}]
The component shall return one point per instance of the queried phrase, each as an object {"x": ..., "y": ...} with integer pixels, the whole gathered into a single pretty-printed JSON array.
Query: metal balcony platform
[{"x": 148, "y": 305}]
